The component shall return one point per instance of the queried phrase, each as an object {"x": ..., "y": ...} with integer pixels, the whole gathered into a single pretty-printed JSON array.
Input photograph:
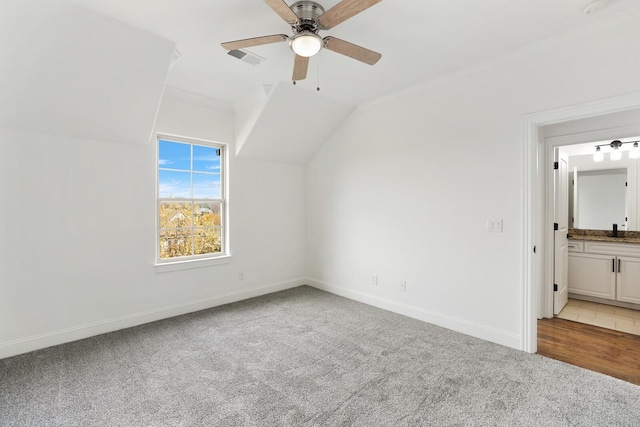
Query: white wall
[
  {"x": 403, "y": 190},
  {"x": 78, "y": 236}
]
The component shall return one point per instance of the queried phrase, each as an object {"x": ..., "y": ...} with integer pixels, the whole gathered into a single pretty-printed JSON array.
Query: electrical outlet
[
  {"x": 374, "y": 279},
  {"x": 241, "y": 275},
  {"x": 403, "y": 286}
]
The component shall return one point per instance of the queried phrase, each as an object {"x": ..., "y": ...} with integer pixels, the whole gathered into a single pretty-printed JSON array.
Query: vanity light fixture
[
  {"x": 598, "y": 156},
  {"x": 616, "y": 153}
]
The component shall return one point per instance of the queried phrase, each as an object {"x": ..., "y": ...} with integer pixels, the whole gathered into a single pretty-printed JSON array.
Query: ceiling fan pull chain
[{"x": 318, "y": 76}]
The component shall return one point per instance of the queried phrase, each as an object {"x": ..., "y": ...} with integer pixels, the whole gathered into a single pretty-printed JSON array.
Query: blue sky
[{"x": 175, "y": 174}]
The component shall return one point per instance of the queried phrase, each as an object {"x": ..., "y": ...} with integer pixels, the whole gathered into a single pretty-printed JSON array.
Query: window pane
[
  {"x": 174, "y": 155},
  {"x": 176, "y": 215},
  {"x": 190, "y": 199},
  {"x": 207, "y": 241},
  {"x": 206, "y": 186},
  {"x": 174, "y": 184},
  {"x": 207, "y": 215},
  {"x": 206, "y": 159},
  {"x": 175, "y": 243}
]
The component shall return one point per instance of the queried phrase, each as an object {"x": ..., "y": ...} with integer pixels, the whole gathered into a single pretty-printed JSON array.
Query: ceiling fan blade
[
  {"x": 283, "y": 10},
  {"x": 352, "y": 50},
  {"x": 343, "y": 11},
  {"x": 255, "y": 41},
  {"x": 300, "y": 66}
]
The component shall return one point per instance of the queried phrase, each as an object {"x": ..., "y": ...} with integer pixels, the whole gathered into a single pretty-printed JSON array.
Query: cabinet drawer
[
  {"x": 620, "y": 249},
  {"x": 575, "y": 246}
]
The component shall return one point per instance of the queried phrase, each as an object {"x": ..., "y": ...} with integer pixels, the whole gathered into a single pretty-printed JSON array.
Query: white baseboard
[
  {"x": 36, "y": 342},
  {"x": 449, "y": 322}
]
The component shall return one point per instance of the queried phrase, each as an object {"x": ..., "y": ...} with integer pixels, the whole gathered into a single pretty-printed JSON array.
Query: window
[{"x": 191, "y": 204}]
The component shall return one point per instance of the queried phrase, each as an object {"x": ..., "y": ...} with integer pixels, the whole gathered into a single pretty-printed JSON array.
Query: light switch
[{"x": 494, "y": 225}]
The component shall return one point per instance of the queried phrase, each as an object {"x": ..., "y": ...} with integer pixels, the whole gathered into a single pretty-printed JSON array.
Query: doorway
[
  {"x": 571, "y": 123},
  {"x": 591, "y": 122}
]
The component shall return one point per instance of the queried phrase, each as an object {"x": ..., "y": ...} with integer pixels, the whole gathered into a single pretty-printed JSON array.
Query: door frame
[{"x": 536, "y": 230}]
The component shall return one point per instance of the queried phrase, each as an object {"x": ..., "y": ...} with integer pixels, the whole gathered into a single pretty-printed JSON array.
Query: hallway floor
[{"x": 609, "y": 352}]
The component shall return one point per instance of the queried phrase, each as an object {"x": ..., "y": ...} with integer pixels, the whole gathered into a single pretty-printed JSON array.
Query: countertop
[{"x": 605, "y": 236}]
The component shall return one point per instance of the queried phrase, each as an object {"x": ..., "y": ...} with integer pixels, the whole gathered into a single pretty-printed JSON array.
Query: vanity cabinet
[
  {"x": 628, "y": 280},
  {"x": 605, "y": 270},
  {"x": 593, "y": 275}
]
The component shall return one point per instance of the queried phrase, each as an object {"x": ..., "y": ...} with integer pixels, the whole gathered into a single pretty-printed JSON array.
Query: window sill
[{"x": 192, "y": 263}]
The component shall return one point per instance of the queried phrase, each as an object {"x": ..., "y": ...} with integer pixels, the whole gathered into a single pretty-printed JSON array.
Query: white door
[{"x": 561, "y": 218}]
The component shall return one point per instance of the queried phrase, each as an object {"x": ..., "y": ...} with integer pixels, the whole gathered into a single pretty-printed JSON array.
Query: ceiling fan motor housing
[{"x": 308, "y": 13}]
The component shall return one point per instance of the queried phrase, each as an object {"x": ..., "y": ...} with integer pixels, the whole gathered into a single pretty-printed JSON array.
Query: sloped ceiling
[
  {"x": 101, "y": 76},
  {"x": 289, "y": 126},
  {"x": 72, "y": 72}
]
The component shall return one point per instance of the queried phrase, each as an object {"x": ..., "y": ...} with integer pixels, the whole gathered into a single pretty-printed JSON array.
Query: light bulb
[
  {"x": 635, "y": 151},
  {"x": 306, "y": 44},
  {"x": 598, "y": 156},
  {"x": 616, "y": 155}
]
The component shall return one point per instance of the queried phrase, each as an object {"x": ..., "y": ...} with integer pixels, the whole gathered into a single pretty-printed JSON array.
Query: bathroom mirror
[
  {"x": 603, "y": 192},
  {"x": 599, "y": 199}
]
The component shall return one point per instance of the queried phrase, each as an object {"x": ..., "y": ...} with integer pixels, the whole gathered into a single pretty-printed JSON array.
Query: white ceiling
[
  {"x": 584, "y": 134},
  {"x": 268, "y": 137},
  {"x": 418, "y": 40}
]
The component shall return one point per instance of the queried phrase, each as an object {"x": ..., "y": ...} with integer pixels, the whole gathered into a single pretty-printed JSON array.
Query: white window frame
[{"x": 202, "y": 260}]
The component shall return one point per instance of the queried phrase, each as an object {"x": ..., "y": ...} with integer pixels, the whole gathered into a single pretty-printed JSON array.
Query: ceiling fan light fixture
[
  {"x": 306, "y": 18},
  {"x": 306, "y": 44}
]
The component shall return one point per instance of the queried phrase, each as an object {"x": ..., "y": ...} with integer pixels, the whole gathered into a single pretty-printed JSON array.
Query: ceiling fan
[{"x": 307, "y": 18}]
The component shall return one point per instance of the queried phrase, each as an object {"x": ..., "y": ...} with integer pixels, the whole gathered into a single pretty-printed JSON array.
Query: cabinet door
[
  {"x": 628, "y": 286},
  {"x": 593, "y": 275}
]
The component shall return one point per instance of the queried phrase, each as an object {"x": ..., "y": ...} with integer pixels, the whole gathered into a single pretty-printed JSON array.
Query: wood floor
[{"x": 602, "y": 350}]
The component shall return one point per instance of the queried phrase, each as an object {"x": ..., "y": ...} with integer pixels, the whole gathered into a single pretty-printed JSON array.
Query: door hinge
[
  {"x": 555, "y": 287},
  {"x": 555, "y": 226},
  {"x": 555, "y": 165}
]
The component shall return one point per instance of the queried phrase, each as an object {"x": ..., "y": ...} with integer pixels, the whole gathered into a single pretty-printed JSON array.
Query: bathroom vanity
[{"x": 603, "y": 268}]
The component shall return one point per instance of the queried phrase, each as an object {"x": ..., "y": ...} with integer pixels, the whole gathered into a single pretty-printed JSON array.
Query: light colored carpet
[{"x": 302, "y": 357}]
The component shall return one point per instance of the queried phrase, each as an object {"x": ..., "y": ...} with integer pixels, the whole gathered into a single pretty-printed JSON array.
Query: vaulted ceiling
[
  {"x": 418, "y": 40},
  {"x": 93, "y": 65}
]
